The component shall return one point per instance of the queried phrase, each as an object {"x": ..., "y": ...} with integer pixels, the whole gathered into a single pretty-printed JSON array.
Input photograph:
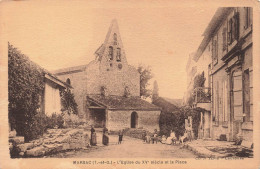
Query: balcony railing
[{"x": 202, "y": 95}]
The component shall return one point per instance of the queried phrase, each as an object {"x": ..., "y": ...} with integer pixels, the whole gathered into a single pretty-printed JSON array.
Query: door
[
  {"x": 134, "y": 120},
  {"x": 236, "y": 103}
]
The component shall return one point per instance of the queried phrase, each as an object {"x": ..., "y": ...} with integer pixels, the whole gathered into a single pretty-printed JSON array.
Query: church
[{"x": 107, "y": 90}]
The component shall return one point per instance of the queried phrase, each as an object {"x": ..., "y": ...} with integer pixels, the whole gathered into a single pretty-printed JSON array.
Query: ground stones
[{"x": 53, "y": 141}]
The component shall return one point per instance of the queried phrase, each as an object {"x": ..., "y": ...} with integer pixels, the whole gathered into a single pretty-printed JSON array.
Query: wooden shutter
[
  {"x": 237, "y": 96},
  {"x": 236, "y": 26}
]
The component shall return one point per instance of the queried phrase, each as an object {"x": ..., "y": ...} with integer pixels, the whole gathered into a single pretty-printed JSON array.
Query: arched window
[
  {"x": 118, "y": 55},
  {"x": 115, "y": 39},
  {"x": 110, "y": 53},
  {"x": 68, "y": 81}
]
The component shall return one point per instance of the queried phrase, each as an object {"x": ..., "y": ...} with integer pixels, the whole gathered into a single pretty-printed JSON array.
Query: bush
[
  {"x": 55, "y": 121},
  {"x": 37, "y": 127},
  {"x": 175, "y": 121},
  {"x": 72, "y": 120}
]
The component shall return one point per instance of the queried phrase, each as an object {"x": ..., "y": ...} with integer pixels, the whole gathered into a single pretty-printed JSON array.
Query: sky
[{"x": 160, "y": 34}]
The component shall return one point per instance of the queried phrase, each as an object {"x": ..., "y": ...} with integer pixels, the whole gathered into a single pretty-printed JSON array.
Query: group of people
[
  {"x": 171, "y": 140},
  {"x": 105, "y": 137},
  {"x": 151, "y": 137},
  {"x": 93, "y": 137},
  {"x": 154, "y": 137}
]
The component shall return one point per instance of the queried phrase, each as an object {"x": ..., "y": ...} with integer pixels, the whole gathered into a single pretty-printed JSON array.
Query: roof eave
[{"x": 215, "y": 22}]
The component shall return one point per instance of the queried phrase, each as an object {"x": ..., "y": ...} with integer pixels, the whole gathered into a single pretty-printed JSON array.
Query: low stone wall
[
  {"x": 136, "y": 133},
  {"x": 55, "y": 140}
]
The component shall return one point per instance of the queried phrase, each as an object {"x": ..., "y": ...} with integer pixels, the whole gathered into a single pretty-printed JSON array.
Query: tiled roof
[
  {"x": 123, "y": 103},
  {"x": 69, "y": 70}
]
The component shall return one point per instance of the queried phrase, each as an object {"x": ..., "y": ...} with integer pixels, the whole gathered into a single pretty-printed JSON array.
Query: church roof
[
  {"x": 69, "y": 70},
  {"x": 122, "y": 103}
]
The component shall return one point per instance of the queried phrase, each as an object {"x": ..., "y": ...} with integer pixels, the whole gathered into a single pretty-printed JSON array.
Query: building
[
  {"x": 27, "y": 82},
  {"x": 107, "y": 90},
  {"x": 228, "y": 44}
]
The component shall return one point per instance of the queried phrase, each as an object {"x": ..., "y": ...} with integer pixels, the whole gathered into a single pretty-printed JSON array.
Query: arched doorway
[{"x": 134, "y": 120}]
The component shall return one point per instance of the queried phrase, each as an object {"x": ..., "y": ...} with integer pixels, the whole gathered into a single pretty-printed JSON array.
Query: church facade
[{"x": 107, "y": 90}]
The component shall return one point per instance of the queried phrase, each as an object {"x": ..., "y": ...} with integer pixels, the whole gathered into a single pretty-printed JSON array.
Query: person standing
[
  {"x": 120, "y": 137},
  {"x": 105, "y": 139},
  {"x": 155, "y": 138},
  {"x": 93, "y": 140}
]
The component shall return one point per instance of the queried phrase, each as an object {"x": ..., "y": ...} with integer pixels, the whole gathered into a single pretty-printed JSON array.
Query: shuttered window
[
  {"x": 215, "y": 50},
  {"x": 233, "y": 28},
  {"x": 248, "y": 17},
  {"x": 224, "y": 37}
]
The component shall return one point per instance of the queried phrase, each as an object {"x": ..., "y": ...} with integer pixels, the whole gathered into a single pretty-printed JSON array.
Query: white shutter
[{"x": 237, "y": 96}]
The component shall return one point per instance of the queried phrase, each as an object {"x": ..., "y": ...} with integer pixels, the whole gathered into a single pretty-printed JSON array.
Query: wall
[
  {"x": 115, "y": 80},
  {"x": 78, "y": 81},
  {"x": 120, "y": 119},
  {"x": 52, "y": 99}
]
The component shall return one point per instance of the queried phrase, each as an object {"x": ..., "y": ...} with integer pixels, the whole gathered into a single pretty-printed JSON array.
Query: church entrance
[
  {"x": 134, "y": 120},
  {"x": 98, "y": 116}
]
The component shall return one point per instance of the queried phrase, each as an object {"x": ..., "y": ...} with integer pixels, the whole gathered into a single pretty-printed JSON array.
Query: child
[{"x": 163, "y": 139}]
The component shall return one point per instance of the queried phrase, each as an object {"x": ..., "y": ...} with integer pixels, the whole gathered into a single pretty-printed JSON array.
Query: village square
[{"x": 108, "y": 108}]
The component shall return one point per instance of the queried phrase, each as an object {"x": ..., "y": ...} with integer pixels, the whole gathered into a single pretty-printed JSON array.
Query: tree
[
  {"x": 68, "y": 101},
  {"x": 155, "y": 94},
  {"x": 145, "y": 76},
  {"x": 25, "y": 88},
  {"x": 199, "y": 80}
]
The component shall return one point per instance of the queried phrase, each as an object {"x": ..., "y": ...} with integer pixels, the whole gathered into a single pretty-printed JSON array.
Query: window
[
  {"x": 68, "y": 81},
  {"x": 248, "y": 17},
  {"x": 118, "y": 55},
  {"x": 224, "y": 37},
  {"x": 215, "y": 50},
  {"x": 233, "y": 29},
  {"x": 115, "y": 39},
  {"x": 110, "y": 53}
]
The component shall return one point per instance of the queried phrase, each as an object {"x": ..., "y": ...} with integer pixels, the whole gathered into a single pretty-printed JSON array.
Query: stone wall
[
  {"x": 114, "y": 79},
  {"x": 220, "y": 130},
  {"x": 78, "y": 81},
  {"x": 55, "y": 140},
  {"x": 121, "y": 119}
]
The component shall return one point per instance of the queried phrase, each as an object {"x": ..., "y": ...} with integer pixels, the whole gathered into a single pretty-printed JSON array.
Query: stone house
[
  {"x": 51, "y": 99},
  {"x": 228, "y": 44},
  {"x": 107, "y": 90}
]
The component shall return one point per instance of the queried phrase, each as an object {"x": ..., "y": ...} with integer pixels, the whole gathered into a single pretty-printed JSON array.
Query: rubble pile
[{"x": 55, "y": 140}]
